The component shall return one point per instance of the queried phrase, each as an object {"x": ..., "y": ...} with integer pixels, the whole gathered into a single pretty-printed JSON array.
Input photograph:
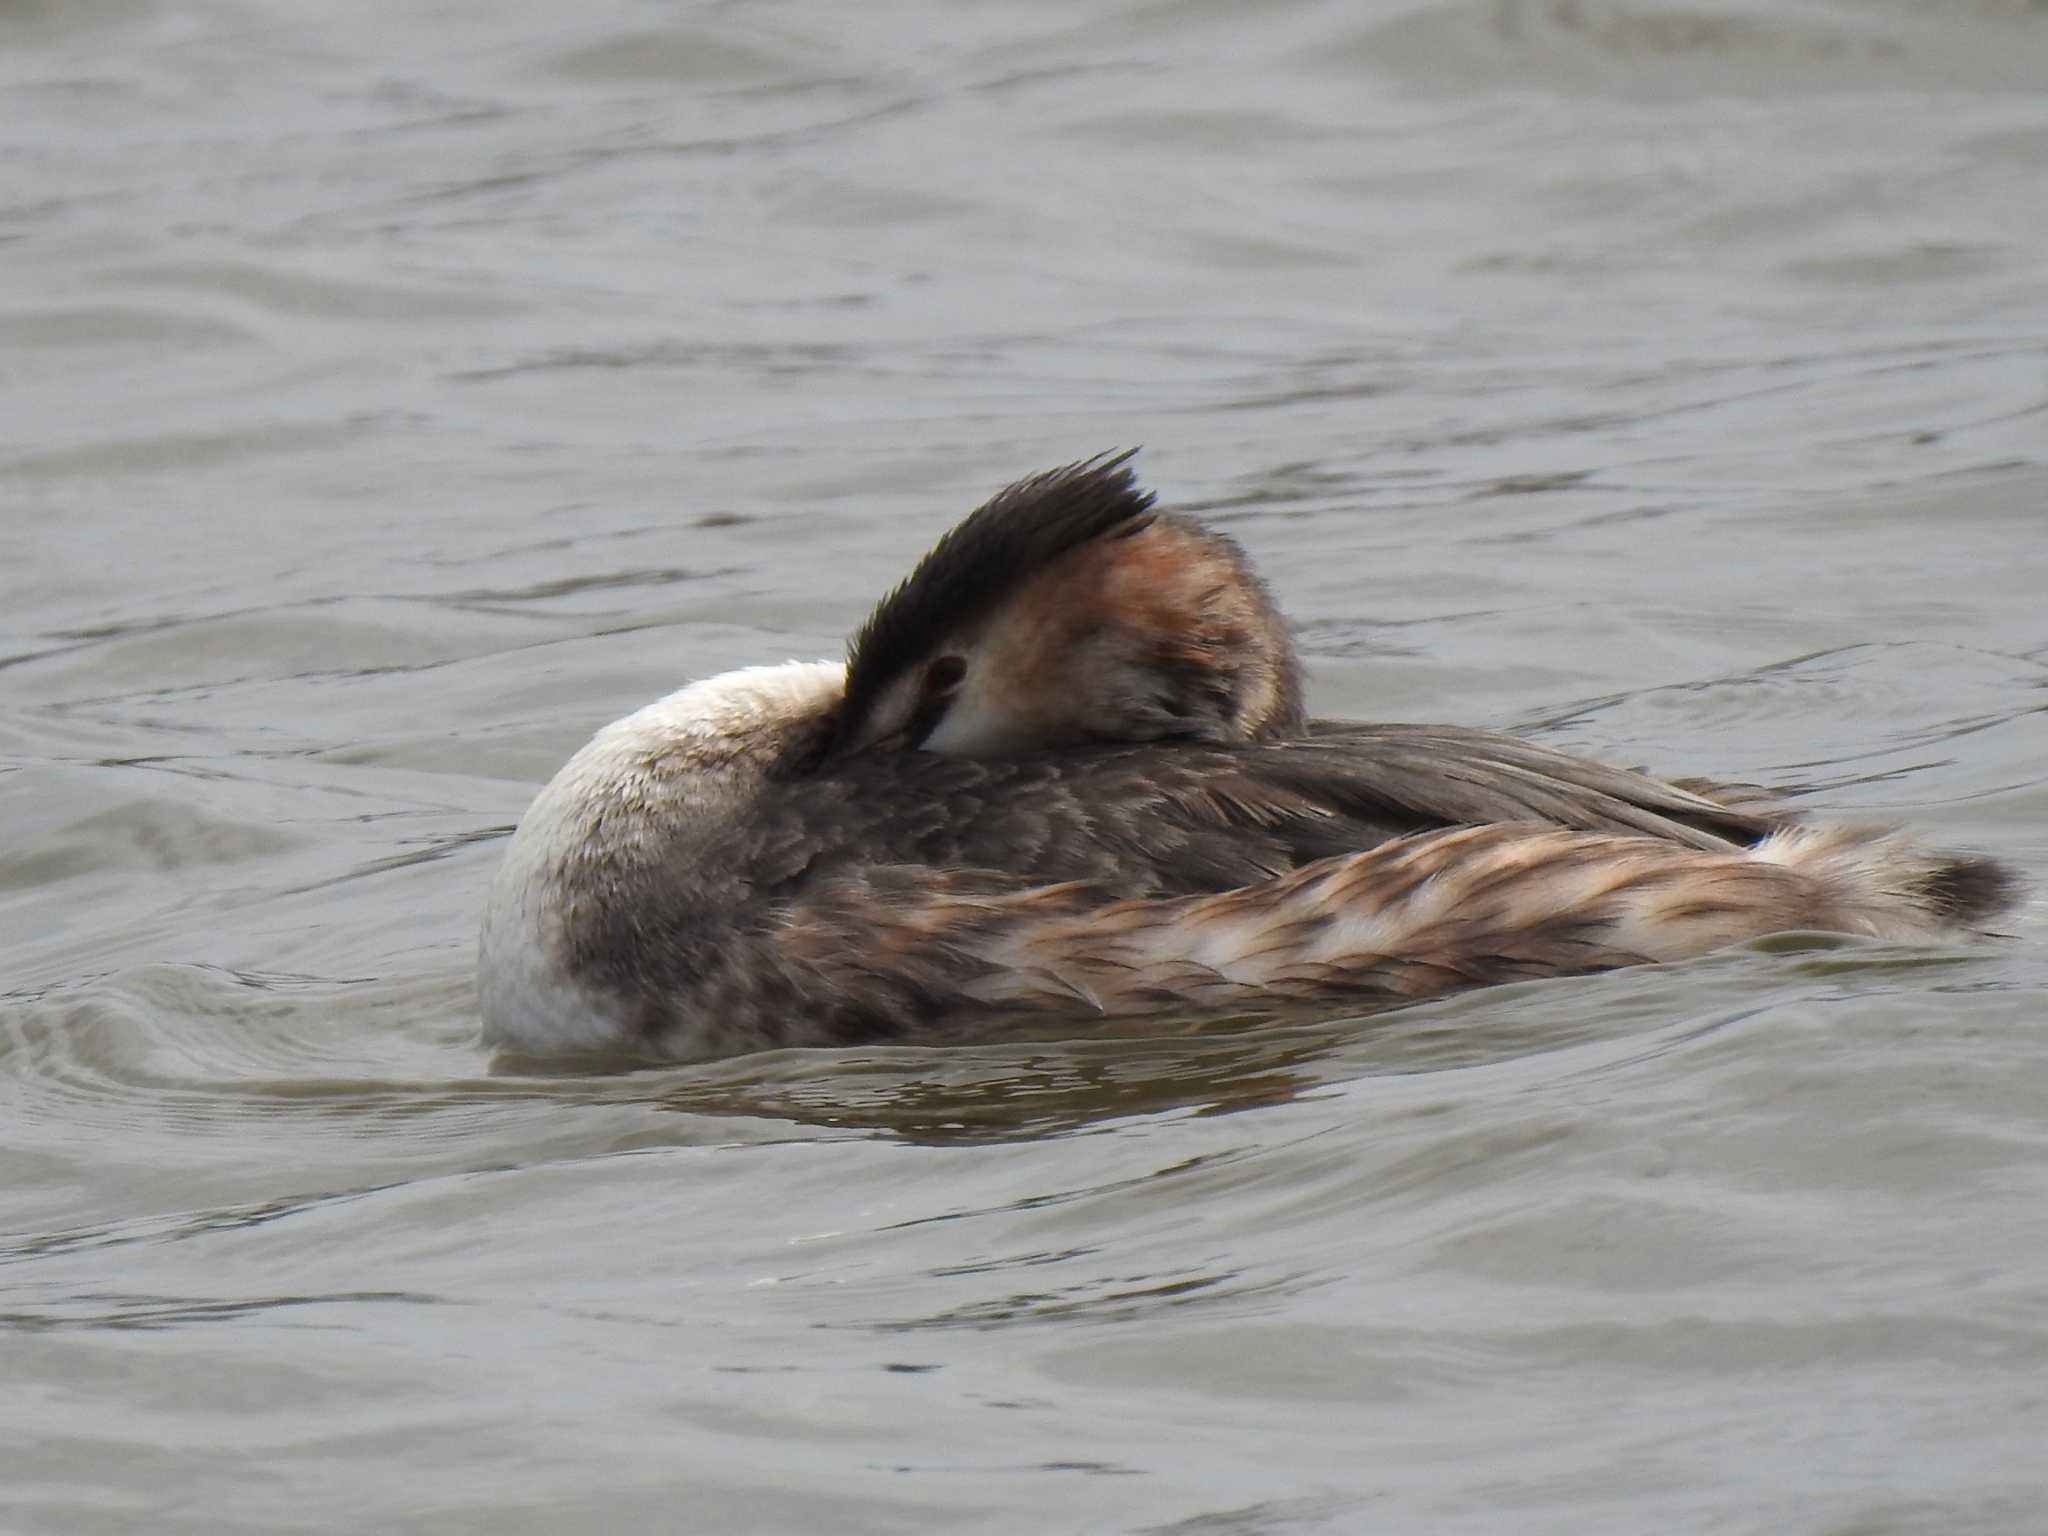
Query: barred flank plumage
[{"x": 1416, "y": 917}]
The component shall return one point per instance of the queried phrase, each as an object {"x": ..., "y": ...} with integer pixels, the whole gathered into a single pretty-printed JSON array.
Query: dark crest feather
[{"x": 982, "y": 560}]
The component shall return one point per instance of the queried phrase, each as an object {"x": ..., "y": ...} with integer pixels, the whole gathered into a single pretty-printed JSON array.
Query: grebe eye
[{"x": 943, "y": 674}]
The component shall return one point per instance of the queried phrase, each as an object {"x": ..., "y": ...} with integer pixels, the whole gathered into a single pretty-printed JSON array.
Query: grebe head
[{"x": 1068, "y": 610}]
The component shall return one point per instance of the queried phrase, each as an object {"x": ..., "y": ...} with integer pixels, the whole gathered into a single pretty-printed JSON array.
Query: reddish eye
[{"x": 944, "y": 673}]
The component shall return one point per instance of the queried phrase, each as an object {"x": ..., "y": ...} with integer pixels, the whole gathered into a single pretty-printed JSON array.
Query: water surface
[{"x": 395, "y": 394}]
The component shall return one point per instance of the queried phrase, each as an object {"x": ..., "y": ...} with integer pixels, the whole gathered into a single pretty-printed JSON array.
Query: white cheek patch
[{"x": 970, "y": 728}]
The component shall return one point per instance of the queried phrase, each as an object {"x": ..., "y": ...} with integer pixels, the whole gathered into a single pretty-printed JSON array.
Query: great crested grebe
[{"x": 1065, "y": 773}]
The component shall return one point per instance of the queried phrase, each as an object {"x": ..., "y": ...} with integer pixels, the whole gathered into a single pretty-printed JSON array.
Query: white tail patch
[{"x": 1869, "y": 880}]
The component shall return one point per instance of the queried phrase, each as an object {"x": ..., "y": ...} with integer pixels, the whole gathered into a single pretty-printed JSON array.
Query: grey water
[{"x": 392, "y": 394}]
